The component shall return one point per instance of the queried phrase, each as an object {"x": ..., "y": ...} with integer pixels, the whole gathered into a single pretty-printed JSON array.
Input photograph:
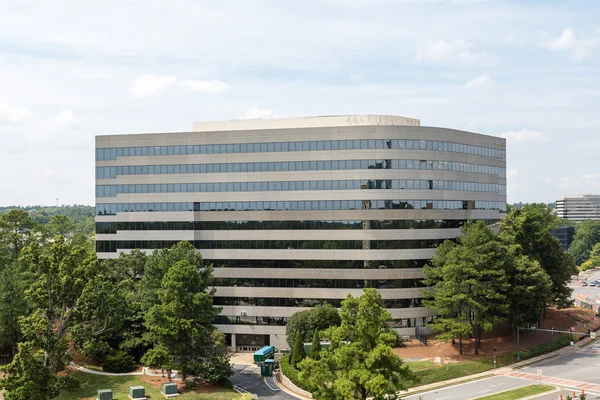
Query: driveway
[{"x": 248, "y": 378}]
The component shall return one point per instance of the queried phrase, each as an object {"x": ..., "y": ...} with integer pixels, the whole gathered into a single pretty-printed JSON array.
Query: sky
[{"x": 526, "y": 70}]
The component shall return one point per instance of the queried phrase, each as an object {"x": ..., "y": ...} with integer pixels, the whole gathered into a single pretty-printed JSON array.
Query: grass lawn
[
  {"x": 519, "y": 393},
  {"x": 428, "y": 372},
  {"x": 120, "y": 387}
]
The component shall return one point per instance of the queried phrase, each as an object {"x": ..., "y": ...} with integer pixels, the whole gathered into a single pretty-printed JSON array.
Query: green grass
[
  {"x": 120, "y": 387},
  {"x": 427, "y": 372},
  {"x": 519, "y": 393}
]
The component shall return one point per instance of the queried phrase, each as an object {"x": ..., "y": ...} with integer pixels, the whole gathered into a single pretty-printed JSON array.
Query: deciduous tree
[
  {"x": 27, "y": 378},
  {"x": 360, "y": 362}
]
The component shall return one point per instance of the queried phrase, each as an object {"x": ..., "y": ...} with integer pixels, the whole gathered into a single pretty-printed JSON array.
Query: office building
[
  {"x": 565, "y": 235},
  {"x": 578, "y": 207},
  {"x": 294, "y": 212}
]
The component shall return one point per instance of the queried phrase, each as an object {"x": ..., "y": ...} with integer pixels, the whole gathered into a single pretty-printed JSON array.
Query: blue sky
[{"x": 526, "y": 70}]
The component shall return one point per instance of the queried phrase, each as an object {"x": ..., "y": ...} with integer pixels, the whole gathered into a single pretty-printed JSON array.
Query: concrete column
[{"x": 233, "y": 344}]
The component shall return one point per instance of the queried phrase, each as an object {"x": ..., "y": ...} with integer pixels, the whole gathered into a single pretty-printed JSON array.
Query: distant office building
[
  {"x": 565, "y": 235},
  {"x": 578, "y": 207},
  {"x": 296, "y": 212}
]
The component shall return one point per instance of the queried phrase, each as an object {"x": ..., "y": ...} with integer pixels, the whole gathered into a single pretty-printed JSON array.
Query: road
[
  {"x": 570, "y": 372},
  {"x": 248, "y": 378},
  {"x": 472, "y": 390},
  {"x": 587, "y": 290}
]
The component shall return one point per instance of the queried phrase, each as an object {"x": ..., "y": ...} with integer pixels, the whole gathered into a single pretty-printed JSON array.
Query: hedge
[
  {"x": 291, "y": 373},
  {"x": 546, "y": 348}
]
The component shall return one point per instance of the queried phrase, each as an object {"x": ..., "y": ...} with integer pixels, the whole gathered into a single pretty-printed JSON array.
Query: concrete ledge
[{"x": 286, "y": 383}]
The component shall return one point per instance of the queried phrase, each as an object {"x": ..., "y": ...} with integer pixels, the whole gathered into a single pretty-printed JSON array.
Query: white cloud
[
  {"x": 12, "y": 115},
  {"x": 580, "y": 48},
  {"x": 523, "y": 135},
  {"x": 512, "y": 174},
  {"x": 457, "y": 51},
  {"x": 258, "y": 113},
  {"x": 562, "y": 182},
  {"x": 356, "y": 77},
  {"x": 482, "y": 82},
  {"x": 211, "y": 86},
  {"x": 67, "y": 118},
  {"x": 147, "y": 85}
]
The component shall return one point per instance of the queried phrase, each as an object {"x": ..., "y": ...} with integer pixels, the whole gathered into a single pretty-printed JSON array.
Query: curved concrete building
[{"x": 295, "y": 212}]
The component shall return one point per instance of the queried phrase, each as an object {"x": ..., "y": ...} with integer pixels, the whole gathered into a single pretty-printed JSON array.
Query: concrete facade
[
  {"x": 277, "y": 251},
  {"x": 578, "y": 207}
]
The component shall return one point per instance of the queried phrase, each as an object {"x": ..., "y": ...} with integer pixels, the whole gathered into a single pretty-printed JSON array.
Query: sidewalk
[
  {"x": 501, "y": 371},
  {"x": 145, "y": 371}
]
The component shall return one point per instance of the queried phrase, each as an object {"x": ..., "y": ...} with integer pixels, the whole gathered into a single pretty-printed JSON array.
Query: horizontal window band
[
  {"x": 111, "y": 172},
  {"x": 308, "y": 205},
  {"x": 113, "y": 227},
  {"x": 113, "y": 153},
  {"x": 111, "y": 246},
  {"x": 284, "y": 186}
]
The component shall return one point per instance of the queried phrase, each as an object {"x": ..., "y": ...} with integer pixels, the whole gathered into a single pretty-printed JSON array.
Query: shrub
[
  {"x": 118, "y": 362},
  {"x": 545, "y": 348},
  {"x": 291, "y": 373}
]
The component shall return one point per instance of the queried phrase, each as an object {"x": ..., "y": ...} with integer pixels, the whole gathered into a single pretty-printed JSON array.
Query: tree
[
  {"x": 181, "y": 319},
  {"x": 530, "y": 228},
  {"x": 528, "y": 294},
  {"x": 73, "y": 294},
  {"x": 59, "y": 225},
  {"x": 159, "y": 357},
  {"x": 315, "y": 353},
  {"x": 298, "y": 353},
  {"x": 28, "y": 378},
  {"x": 469, "y": 284},
  {"x": 13, "y": 306},
  {"x": 15, "y": 231},
  {"x": 318, "y": 318},
  {"x": 594, "y": 259},
  {"x": 159, "y": 262},
  {"x": 360, "y": 362},
  {"x": 587, "y": 235}
]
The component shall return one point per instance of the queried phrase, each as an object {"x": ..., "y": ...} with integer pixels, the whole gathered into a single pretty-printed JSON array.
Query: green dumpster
[
  {"x": 105, "y": 394},
  {"x": 169, "y": 388},
  {"x": 266, "y": 369},
  {"x": 137, "y": 392}
]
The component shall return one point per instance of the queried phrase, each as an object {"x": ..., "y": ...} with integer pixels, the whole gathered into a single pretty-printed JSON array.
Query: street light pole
[{"x": 494, "y": 357}]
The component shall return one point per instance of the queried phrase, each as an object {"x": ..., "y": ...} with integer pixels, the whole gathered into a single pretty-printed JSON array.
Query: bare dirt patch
[{"x": 501, "y": 339}]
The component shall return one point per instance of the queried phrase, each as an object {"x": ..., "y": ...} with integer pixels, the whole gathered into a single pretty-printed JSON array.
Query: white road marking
[
  {"x": 275, "y": 389},
  {"x": 500, "y": 384},
  {"x": 443, "y": 398}
]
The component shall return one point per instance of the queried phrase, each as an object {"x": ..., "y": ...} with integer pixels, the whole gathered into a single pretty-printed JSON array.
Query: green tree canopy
[
  {"x": 12, "y": 305},
  {"x": 181, "y": 319},
  {"x": 16, "y": 228},
  {"x": 469, "y": 284},
  {"x": 27, "y": 377},
  {"x": 530, "y": 228},
  {"x": 72, "y": 293},
  {"x": 318, "y": 318},
  {"x": 587, "y": 235},
  {"x": 360, "y": 362},
  {"x": 316, "y": 347}
]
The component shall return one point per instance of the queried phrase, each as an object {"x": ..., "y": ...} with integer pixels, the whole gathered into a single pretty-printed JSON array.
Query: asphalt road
[
  {"x": 583, "y": 366},
  {"x": 249, "y": 378},
  {"x": 472, "y": 390},
  {"x": 588, "y": 290}
]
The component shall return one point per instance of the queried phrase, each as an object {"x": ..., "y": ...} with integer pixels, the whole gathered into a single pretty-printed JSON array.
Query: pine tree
[
  {"x": 316, "y": 347},
  {"x": 298, "y": 353}
]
